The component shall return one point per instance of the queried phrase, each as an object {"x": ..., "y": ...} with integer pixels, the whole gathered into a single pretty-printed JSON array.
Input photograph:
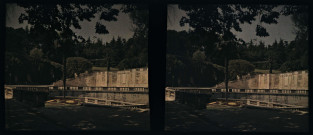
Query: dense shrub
[
  {"x": 291, "y": 66},
  {"x": 77, "y": 65},
  {"x": 239, "y": 68},
  {"x": 198, "y": 56},
  {"x": 192, "y": 73}
]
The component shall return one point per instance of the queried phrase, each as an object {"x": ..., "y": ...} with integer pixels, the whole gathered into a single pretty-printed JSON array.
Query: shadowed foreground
[
  {"x": 73, "y": 117},
  {"x": 180, "y": 117}
]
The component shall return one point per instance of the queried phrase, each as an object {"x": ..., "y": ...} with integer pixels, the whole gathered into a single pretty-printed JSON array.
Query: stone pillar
[
  {"x": 270, "y": 105},
  {"x": 108, "y": 102},
  {"x": 269, "y": 81},
  {"x": 248, "y": 102},
  {"x": 86, "y": 100},
  {"x": 107, "y": 78}
]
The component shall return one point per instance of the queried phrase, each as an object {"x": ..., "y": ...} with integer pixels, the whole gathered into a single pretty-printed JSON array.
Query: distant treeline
[{"x": 29, "y": 63}]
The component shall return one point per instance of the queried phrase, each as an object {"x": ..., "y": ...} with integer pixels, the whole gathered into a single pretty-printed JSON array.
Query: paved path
[
  {"x": 20, "y": 117},
  {"x": 180, "y": 117}
]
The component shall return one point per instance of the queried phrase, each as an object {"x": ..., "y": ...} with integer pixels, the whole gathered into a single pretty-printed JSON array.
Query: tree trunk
[
  {"x": 108, "y": 63},
  {"x": 64, "y": 76},
  {"x": 226, "y": 78},
  {"x": 271, "y": 68}
]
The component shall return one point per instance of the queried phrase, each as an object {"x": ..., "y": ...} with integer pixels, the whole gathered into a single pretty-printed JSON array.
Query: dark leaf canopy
[
  {"x": 294, "y": 9},
  {"x": 101, "y": 29},
  {"x": 261, "y": 31},
  {"x": 221, "y": 19},
  {"x": 139, "y": 15},
  {"x": 270, "y": 17},
  {"x": 61, "y": 18},
  {"x": 109, "y": 15}
]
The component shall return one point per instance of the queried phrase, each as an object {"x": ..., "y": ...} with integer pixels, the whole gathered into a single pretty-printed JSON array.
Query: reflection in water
[{"x": 85, "y": 125}]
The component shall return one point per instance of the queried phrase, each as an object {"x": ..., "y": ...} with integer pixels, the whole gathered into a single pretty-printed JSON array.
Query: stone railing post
[
  {"x": 86, "y": 100},
  {"x": 248, "y": 101},
  {"x": 258, "y": 103},
  {"x": 108, "y": 102},
  {"x": 270, "y": 105}
]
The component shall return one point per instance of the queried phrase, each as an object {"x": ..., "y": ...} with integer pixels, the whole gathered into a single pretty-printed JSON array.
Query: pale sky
[
  {"x": 282, "y": 30},
  {"x": 122, "y": 27}
]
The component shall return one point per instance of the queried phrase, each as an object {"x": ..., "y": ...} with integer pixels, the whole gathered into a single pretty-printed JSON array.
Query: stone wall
[
  {"x": 297, "y": 80},
  {"x": 138, "y": 98},
  {"x": 126, "y": 78},
  {"x": 299, "y": 100}
]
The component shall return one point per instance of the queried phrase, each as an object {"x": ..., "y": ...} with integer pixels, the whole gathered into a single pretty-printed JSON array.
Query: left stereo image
[{"x": 76, "y": 67}]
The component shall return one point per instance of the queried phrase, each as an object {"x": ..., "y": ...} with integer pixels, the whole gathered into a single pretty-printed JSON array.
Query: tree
[
  {"x": 36, "y": 53},
  {"x": 114, "y": 52},
  {"x": 77, "y": 65},
  {"x": 199, "y": 56},
  {"x": 239, "y": 68},
  {"x": 17, "y": 60},
  {"x": 300, "y": 17},
  {"x": 291, "y": 66},
  {"x": 25, "y": 61},
  {"x": 222, "y": 19},
  {"x": 297, "y": 49},
  {"x": 276, "y": 55},
  {"x": 178, "y": 43},
  {"x": 137, "y": 46},
  {"x": 17, "y": 40},
  {"x": 54, "y": 22},
  {"x": 174, "y": 66},
  {"x": 139, "y": 15}
]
